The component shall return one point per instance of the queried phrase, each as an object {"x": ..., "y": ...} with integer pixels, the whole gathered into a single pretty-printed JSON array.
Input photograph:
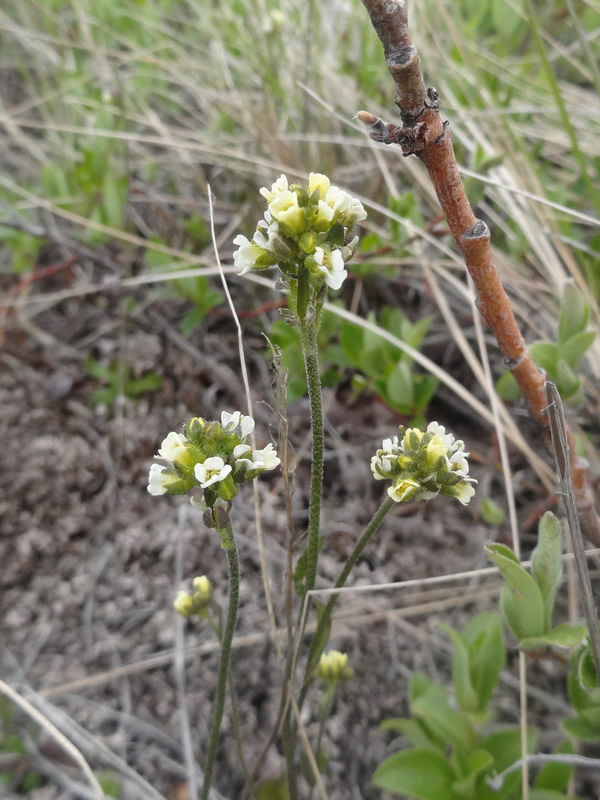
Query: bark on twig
[{"x": 425, "y": 135}]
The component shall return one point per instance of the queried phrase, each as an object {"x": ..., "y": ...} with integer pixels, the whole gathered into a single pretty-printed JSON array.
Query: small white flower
[
  {"x": 285, "y": 209},
  {"x": 404, "y": 490},
  {"x": 338, "y": 200},
  {"x": 157, "y": 481},
  {"x": 172, "y": 447},
  {"x": 459, "y": 463},
  {"x": 356, "y": 213},
  {"x": 266, "y": 458},
  {"x": 316, "y": 180},
  {"x": 236, "y": 419},
  {"x": 240, "y": 449},
  {"x": 465, "y": 492},
  {"x": 380, "y": 467},
  {"x": 389, "y": 445},
  {"x": 280, "y": 185},
  {"x": 211, "y": 471},
  {"x": 332, "y": 266},
  {"x": 447, "y": 438}
]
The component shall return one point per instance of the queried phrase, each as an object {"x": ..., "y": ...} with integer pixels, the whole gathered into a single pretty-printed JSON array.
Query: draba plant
[
  {"x": 212, "y": 459},
  {"x": 307, "y": 232}
]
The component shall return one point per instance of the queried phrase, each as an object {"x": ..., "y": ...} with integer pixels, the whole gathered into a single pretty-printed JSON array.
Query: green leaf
[
  {"x": 453, "y": 726},
  {"x": 580, "y": 729},
  {"x": 476, "y": 763},
  {"x": 564, "y": 635},
  {"x": 487, "y": 652},
  {"x": 507, "y": 388},
  {"x": 505, "y": 748},
  {"x": 424, "y": 388},
  {"x": 414, "y": 730},
  {"x": 351, "y": 340},
  {"x": 545, "y": 355},
  {"x": 568, "y": 383},
  {"x": 419, "y": 773},
  {"x": 466, "y": 695},
  {"x": 523, "y": 603},
  {"x": 546, "y": 563},
  {"x": 549, "y": 794},
  {"x": 586, "y": 670},
  {"x": 574, "y": 349},
  {"x": 573, "y": 314},
  {"x": 492, "y": 513},
  {"x": 555, "y": 776},
  {"x": 273, "y": 789},
  {"x": 399, "y": 385}
]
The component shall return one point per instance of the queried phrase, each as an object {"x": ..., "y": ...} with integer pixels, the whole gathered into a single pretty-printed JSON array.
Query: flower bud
[
  {"x": 184, "y": 604},
  {"x": 333, "y": 667}
]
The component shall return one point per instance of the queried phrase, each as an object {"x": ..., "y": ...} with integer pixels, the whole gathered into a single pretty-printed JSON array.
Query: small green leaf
[
  {"x": 399, "y": 385},
  {"x": 573, "y": 314},
  {"x": 420, "y": 773},
  {"x": 487, "y": 654},
  {"x": 555, "y": 776},
  {"x": 580, "y": 729},
  {"x": 505, "y": 748},
  {"x": 564, "y": 635},
  {"x": 466, "y": 695},
  {"x": 545, "y": 355},
  {"x": 546, "y": 562},
  {"x": 476, "y": 763},
  {"x": 273, "y": 789},
  {"x": 568, "y": 383},
  {"x": 413, "y": 729},
  {"x": 453, "y": 726},
  {"x": 574, "y": 349},
  {"x": 507, "y": 388},
  {"x": 523, "y": 603},
  {"x": 492, "y": 513}
]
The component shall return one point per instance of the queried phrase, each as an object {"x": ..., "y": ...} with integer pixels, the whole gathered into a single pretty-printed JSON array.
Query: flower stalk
[
  {"x": 228, "y": 544},
  {"x": 308, "y": 338}
]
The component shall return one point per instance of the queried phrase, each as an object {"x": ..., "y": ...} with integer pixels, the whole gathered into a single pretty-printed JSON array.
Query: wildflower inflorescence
[
  {"x": 211, "y": 456},
  {"x": 303, "y": 226},
  {"x": 196, "y": 603},
  {"x": 421, "y": 465},
  {"x": 333, "y": 667}
]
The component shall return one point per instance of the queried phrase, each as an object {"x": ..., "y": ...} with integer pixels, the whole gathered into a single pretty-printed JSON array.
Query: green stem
[
  {"x": 308, "y": 339},
  {"x": 325, "y": 618},
  {"x": 288, "y": 741},
  {"x": 234, "y": 596}
]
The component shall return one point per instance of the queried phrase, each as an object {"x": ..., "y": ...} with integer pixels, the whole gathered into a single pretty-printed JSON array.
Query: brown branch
[{"x": 425, "y": 135}]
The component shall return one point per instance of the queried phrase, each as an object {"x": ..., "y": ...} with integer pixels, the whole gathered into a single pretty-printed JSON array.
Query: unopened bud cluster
[
  {"x": 303, "y": 225},
  {"x": 211, "y": 456},
  {"x": 421, "y": 465},
  {"x": 197, "y": 602},
  {"x": 333, "y": 667}
]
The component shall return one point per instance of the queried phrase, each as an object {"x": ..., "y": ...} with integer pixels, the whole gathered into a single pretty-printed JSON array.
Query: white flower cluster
[
  {"x": 422, "y": 465},
  {"x": 214, "y": 457},
  {"x": 303, "y": 225}
]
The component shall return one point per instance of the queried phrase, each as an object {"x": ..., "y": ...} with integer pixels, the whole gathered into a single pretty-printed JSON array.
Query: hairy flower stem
[
  {"x": 308, "y": 340},
  {"x": 325, "y": 619},
  {"x": 289, "y": 745},
  {"x": 228, "y": 543},
  {"x": 425, "y": 135}
]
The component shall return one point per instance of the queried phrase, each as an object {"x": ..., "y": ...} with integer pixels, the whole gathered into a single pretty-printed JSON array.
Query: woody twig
[{"x": 424, "y": 134}]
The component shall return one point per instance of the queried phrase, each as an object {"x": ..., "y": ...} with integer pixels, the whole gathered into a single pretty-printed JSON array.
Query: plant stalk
[
  {"x": 229, "y": 545},
  {"x": 308, "y": 339},
  {"x": 325, "y": 618}
]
